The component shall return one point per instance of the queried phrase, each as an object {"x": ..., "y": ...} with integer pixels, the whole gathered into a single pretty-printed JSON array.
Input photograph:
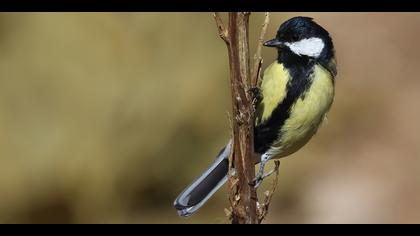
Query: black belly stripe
[{"x": 300, "y": 70}]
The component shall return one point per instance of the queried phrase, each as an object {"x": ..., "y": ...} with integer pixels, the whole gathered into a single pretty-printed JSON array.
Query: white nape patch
[{"x": 311, "y": 47}]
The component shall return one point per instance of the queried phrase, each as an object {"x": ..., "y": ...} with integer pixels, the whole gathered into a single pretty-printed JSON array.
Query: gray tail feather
[{"x": 197, "y": 193}]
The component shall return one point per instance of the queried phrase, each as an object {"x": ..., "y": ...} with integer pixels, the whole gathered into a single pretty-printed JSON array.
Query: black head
[{"x": 304, "y": 38}]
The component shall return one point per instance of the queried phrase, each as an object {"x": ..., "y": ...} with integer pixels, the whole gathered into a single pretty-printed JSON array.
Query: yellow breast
[
  {"x": 306, "y": 114},
  {"x": 273, "y": 89}
]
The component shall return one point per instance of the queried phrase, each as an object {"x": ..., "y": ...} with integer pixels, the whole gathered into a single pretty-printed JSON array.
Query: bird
[{"x": 296, "y": 93}]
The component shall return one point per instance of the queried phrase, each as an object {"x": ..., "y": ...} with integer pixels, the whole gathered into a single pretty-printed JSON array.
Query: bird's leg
[{"x": 260, "y": 175}]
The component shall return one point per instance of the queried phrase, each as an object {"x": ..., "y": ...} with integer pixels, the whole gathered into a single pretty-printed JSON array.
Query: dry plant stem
[
  {"x": 263, "y": 208},
  {"x": 255, "y": 78},
  {"x": 223, "y": 33},
  {"x": 242, "y": 195},
  {"x": 245, "y": 210},
  {"x": 255, "y": 83}
]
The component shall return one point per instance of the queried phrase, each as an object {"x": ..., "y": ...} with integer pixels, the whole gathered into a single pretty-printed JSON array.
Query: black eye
[{"x": 295, "y": 37}]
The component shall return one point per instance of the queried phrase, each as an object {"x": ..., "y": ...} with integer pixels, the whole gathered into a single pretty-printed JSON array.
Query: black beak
[{"x": 273, "y": 43}]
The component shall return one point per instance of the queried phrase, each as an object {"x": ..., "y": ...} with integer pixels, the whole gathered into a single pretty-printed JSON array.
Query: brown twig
[
  {"x": 255, "y": 78},
  {"x": 223, "y": 33},
  {"x": 242, "y": 195},
  {"x": 263, "y": 208}
]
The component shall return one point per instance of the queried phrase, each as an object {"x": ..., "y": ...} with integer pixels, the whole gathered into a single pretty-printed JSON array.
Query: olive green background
[{"x": 105, "y": 117}]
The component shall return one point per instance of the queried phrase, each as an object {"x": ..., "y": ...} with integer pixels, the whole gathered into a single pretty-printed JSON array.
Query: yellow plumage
[
  {"x": 306, "y": 114},
  {"x": 273, "y": 88}
]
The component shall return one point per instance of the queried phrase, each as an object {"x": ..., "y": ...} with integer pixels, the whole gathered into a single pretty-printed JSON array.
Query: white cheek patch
[{"x": 311, "y": 47}]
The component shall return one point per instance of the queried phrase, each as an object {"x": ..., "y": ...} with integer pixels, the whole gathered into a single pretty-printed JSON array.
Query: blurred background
[{"x": 106, "y": 117}]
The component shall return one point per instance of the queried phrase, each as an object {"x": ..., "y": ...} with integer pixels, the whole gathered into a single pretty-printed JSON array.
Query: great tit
[{"x": 296, "y": 92}]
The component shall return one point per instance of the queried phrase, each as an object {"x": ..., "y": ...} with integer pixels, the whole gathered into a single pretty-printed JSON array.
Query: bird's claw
[
  {"x": 256, "y": 94},
  {"x": 260, "y": 177},
  {"x": 255, "y": 91},
  {"x": 257, "y": 181}
]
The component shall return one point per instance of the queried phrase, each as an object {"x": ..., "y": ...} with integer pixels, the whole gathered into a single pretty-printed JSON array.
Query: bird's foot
[
  {"x": 255, "y": 91},
  {"x": 256, "y": 182},
  {"x": 260, "y": 177},
  {"x": 256, "y": 94}
]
